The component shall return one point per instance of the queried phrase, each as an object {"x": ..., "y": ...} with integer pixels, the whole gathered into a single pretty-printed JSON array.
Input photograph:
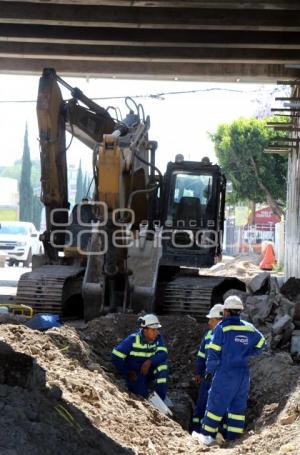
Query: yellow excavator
[{"x": 140, "y": 241}]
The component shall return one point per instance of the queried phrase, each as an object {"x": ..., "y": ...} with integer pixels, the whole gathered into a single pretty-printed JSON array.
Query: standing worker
[
  {"x": 233, "y": 342},
  {"x": 214, "y": 317},
  {"x": 142, "y": 358}
]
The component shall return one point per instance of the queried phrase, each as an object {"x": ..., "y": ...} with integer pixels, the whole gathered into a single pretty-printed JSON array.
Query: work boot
[
  {"x": 204, "y": 439},
  {"x": 220, "y": 439}
]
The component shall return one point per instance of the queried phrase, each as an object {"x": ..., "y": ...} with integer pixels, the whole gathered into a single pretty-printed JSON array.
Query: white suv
[{"x": 19, "y": 240}]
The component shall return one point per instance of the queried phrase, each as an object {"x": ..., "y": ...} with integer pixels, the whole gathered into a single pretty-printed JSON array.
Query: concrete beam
[
  {"x": 146, "y": 38},
  {"x": 148, "y": 54},
  {"x": 228, "y": 4},
  {"x": 146, "y": 70},
  {"x": 167, "y": 18}
]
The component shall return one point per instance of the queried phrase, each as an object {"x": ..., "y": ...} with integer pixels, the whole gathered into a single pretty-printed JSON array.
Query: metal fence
[{"x": 250, "y": 238}]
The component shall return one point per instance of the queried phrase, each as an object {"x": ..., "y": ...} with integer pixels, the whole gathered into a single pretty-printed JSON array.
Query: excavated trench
[
  {"x": 274, "y": 376},
  {"x": 34, "y": 417}
]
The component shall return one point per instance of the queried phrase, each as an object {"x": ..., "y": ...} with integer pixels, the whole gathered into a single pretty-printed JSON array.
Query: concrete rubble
[
  {"x": 269, "y": 307},
  {"x": 260, "y": 283}
]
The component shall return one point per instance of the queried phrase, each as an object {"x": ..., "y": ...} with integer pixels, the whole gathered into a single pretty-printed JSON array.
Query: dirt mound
[
  {"x": 35, "y": 418},
  {"x": 96, "y": 401}
]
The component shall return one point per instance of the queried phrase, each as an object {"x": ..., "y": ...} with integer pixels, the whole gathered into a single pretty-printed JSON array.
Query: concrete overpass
[{"x": 227, "y": 40}]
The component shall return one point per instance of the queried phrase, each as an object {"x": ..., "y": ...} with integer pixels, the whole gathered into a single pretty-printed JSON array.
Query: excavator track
[
  {"x": 194, "y": 295},
  {"x": 47, "y": 289}
]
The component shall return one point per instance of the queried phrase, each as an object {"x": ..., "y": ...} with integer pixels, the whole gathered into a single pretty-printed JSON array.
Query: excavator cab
[{"x": 193, "y": 217}]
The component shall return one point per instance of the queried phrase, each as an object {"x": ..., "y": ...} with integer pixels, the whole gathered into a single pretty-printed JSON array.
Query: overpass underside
[{"x": 256, "y": 41}]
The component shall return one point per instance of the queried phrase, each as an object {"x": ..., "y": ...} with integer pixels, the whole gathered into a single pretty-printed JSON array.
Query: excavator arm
[
  {"x": 123, "y": 182},
  {"x": 55, "y": 117},
  {"x": 51, "y": 125}
]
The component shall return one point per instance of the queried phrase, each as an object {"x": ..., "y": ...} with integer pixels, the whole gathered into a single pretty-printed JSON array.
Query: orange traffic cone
[{"x": 268, "y": 259}]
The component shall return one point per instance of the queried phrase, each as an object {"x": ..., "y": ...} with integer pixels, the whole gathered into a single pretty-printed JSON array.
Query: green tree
[
  {"x": 79, "y": 185},
  {"x": 85, "y": 186},
  {"x": 36, "y": 175},
  {"x": 25, "y": 188},
  {"x": 36, "y": 211},
  {"x": 255, "y": 175}
]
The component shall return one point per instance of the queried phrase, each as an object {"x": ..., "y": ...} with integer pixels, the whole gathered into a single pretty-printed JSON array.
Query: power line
[{"x": 160, "y": 95}]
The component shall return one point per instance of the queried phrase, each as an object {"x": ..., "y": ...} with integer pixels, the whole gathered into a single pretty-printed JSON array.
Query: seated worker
[
  {"x": 234, "y": 342},
  {"x": 142, "y": 358},
  {"x": 214, "y": 317}
]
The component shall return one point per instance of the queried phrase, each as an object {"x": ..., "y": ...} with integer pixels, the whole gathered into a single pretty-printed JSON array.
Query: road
[{"x": 9, "y": 277}]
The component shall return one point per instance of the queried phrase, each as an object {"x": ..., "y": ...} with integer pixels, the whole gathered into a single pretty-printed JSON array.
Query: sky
[{"x": 180, "y": 122}]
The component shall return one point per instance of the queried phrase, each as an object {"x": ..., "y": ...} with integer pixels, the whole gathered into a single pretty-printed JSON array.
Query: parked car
[{"x": 19, "y": 240}]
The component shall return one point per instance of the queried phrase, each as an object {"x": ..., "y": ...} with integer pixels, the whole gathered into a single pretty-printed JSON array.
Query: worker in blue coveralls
[
  {"x": 214, "y": 316},
  {"x": 233, "y": 342},
  {"x": 142, "y": 358}
]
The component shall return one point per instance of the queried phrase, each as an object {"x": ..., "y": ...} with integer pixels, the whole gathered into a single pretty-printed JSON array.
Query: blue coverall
[
  {"x": 132, "y": 352},
  {"x": 204, "y": 385},
  {"x": 233, "y": 342}
]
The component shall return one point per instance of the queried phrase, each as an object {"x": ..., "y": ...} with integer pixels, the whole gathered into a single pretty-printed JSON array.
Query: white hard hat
[
  {"x": 216, "y": 311},
  {"x": 233, "y": 302},
  {"x": 149, "y": 320}
]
